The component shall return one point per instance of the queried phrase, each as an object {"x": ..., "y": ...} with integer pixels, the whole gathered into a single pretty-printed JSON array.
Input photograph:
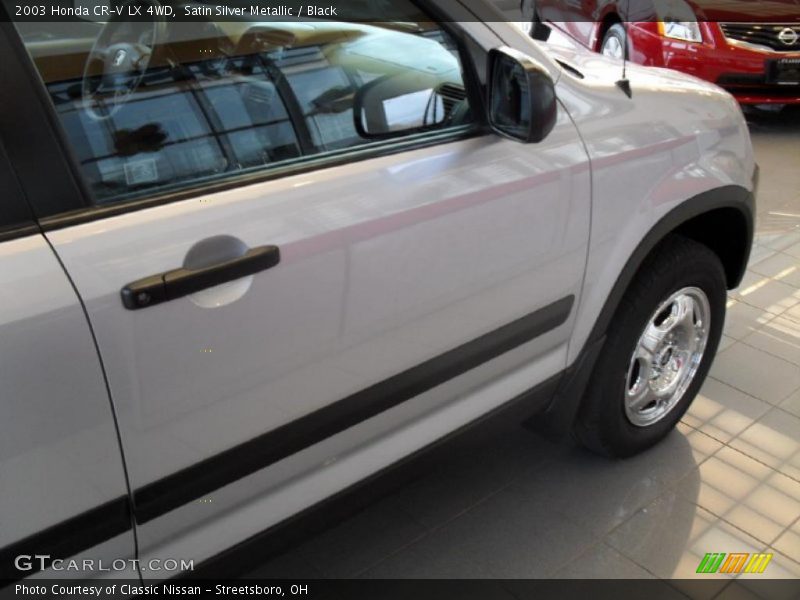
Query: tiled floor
[{"x": 511, "y": 505}]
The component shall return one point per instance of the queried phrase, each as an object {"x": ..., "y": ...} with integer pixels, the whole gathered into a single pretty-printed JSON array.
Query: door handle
[{"x": 177, "y": 283}]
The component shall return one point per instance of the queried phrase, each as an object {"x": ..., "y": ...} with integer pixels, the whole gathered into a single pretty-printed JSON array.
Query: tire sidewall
[
  {"x": 617, "y": 31},
  {"x": 611, "y": 373}
]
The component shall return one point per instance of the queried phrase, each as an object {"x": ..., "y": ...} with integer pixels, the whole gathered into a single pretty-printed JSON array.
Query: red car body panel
[{"x": 739, "y": 68}]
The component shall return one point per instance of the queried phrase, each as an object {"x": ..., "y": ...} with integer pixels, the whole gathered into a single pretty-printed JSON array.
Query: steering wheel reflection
[{"x": 118, "y": 60}]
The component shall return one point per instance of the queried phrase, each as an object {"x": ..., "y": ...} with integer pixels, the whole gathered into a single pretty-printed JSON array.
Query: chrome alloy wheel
[
  {"x": 612, "y": 48},
  {"x": 667, "y": 356}
]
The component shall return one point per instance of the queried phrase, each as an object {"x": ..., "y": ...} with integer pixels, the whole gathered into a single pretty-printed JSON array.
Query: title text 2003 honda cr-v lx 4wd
[{"x": 246, "y": 265}]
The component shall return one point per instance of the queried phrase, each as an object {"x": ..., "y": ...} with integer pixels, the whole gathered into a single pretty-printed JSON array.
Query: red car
[{"x": 749, "y": 47}]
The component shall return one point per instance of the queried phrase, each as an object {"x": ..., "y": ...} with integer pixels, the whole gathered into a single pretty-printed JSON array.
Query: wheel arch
[
  {"x": 609, "y": 19},
  {"x": 722, "y": 219},
  {"x": 723, "y": 230}
]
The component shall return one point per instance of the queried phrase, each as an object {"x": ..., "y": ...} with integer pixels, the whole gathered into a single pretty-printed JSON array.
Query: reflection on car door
[
  {"x": 61, "y": 473},
  {"x": 576, "y": 17},
  {"x": 421, "y": 255}
]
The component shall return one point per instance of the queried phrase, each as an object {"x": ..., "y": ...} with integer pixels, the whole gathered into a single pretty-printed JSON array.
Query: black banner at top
[{"x": 767, "y": 12}]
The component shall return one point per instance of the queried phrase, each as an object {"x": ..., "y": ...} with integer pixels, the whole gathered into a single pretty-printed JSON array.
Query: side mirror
[
  {"x": 398, "y": 104},
  {"x": 522, "y": 96}
]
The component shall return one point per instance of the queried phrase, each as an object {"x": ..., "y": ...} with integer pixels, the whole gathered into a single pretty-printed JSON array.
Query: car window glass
[{"x": 151, "y": 107}]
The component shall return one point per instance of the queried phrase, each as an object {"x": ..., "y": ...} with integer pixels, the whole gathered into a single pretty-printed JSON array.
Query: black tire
[
  {"x": 616, "y": 31},
  {"x": 677, "y": 263}
]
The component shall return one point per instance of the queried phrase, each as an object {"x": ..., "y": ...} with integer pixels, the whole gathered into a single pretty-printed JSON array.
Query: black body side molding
[
  {"x": 279, "y": 538},
  {"x": 173, "y": 491},
  {"x": 67, "y": 538},
  {"x": 558, "y": 399},
  {"x": 104, "y": 522}
]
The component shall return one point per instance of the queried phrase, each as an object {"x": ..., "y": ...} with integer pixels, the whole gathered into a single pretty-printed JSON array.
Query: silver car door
[
  {"x": 64, "y": 502},
  {"x": 376, "y": 281}
]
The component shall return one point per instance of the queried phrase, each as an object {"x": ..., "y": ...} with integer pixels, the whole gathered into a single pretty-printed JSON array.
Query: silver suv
[{"x": 247, "y": 265}]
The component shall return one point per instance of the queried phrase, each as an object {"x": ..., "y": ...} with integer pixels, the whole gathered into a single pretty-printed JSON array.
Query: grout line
[
  {"x": 783, "y": 554},
  {"x": 445, "y": 522},
  {"x": 785, "y": 411},
  {"x": 738, "y": 503},
  {"x": 624, "y": 552},
  {"x": 758, "y": 326},
  {"x": 551, "y": 573},
  {"x": 788, "y": 529},
  {"x": 761, "y": 462},
  {"x": 791, "y": 318},
  {"x": 602, "y": 539},
  {"x": 358, "y": 573},
  {"x": 749, "y": 395},
  {"x": 782, "y": 251},
  {"x": 752, "y": 268},
  {"x": 724, "y": 520},
  {"x": 765, "y": 352},
  {"x": 772, "y": 315},
  {"x": 775, "y": 404},
  {"x": 708, "y": 435},
  {"x": 668, "y": 488}
]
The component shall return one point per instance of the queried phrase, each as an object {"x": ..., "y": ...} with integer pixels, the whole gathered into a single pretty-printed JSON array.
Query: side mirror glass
[
  {"x": 399, "y": 104},
  {"x": 522, "y": 96}
]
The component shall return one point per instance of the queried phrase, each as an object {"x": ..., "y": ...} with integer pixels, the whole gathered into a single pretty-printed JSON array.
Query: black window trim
[
  {"x": 16, "y": 217},
  {"x": 257, "y": 175},
  {"x": 13, "y": 232},
  {"x": 41, "y": 160},
  {"x": 65, "y": 181}
]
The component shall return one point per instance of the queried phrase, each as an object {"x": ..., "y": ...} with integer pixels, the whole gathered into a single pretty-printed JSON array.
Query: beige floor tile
[
  {"x": 793, "y": 250},
  {"x": 756, "y": 373},
  {"x": 759, "y": 254},
  {"x": 751, "y": 278},
  {"x": 785, "y": 242},
  {"x": 790, "y": 275},
  {"x": 725, "y": 342},
  {"x": 746, "y": 494},
  {"x": 671, "y": 536},
  {"x": 792, "y": 404},
  {"x": 793, "y": 313},
  {"x": 703, "y": 445},
  {"x": 600, "y": 494},
  {"x": 722, "y": 411},
  {"x": 774, "y": 440},
  {"x": 775, "y": 265},
  {"x": 742, "y": 319},
  {"x": 602, "y": 562},
  {"x": 789, "y": 542},
  {"x": 780, "y": 337},
  {"x": 770, "y": 295}
]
